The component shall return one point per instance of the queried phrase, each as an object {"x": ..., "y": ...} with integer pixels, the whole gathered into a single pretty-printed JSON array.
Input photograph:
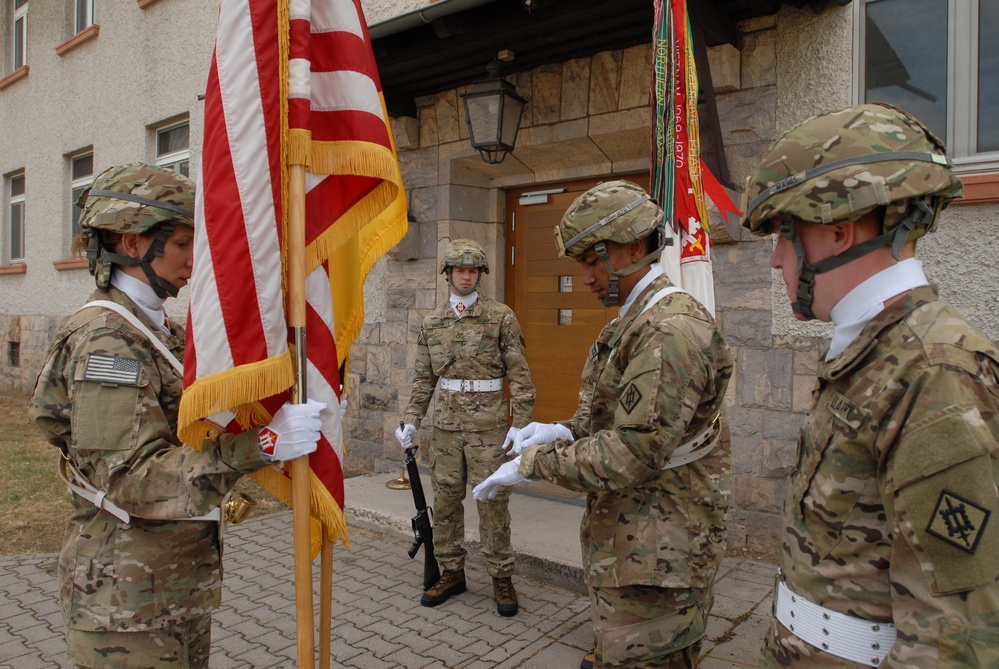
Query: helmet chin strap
[
  {"x": 160, "y": 286},
  {"x": 613, "y": 298},
  {"x": 919, "y": 215}
]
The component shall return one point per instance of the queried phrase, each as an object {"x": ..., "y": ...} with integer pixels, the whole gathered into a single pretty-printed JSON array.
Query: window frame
[
  {"x": 88, "y": 19},
  {"x": 962, "y": 82},
  {"x": 19, "y": 56},
  {"x": 77, "y": 184},
  {"x": 12, "y": 201},
  {"x": 173, "y": 160}
]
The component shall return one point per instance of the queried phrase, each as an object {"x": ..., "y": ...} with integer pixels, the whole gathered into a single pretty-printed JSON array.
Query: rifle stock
[{"x": 423, "y": 530}]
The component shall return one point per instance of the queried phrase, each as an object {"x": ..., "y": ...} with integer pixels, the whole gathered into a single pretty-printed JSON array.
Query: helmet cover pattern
[
  {"x": 134, "y": 198},
  {"x": 618, "y": 211},
  {"x": 464, "y": 253},
  {"x": 838, "y": 166}
]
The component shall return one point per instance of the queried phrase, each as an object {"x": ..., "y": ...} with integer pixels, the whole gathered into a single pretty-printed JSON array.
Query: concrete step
[{"x": 544, "y": 522}]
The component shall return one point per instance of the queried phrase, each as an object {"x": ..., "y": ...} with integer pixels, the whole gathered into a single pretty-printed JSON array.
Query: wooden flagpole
[
  {"x": 325, "y": 600},
  {"x": 300, "y": 492}
]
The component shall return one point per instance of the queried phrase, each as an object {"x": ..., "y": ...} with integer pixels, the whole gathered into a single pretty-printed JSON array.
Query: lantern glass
[{"x": 493, "y": 111}]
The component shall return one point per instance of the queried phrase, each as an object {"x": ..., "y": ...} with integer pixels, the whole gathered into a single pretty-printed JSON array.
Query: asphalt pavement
[{"x": 377, "y": 617}]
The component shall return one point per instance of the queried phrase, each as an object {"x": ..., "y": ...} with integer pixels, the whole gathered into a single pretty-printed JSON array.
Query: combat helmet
[
  {"x": 464, "y": 253},
  {"x": 613, "y": 211},
  {"x": 836, "y": 167},
  {"x": 134, "y": 199}
]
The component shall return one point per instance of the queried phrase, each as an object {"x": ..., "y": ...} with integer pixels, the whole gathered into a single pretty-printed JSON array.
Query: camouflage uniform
[
  {"x": 156, "y": 571},
  {"x": 889, "y": 513},
  {"x": 469, "y": 427},
  {"x": 138, "y": 593},
  {"x": 652, "y": 381},
  {"x": 882, "y": 523}
]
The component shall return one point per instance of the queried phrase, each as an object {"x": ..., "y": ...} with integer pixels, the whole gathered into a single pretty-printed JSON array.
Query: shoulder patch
[
  {"x": 631, "y": 397},
  {"x": 103, "y": 368},
  {"x": 958, "y": 521}
]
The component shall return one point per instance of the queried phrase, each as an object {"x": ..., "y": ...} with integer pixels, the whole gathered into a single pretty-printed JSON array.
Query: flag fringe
[
  {"x": 388, "y": 235},
  {"x": 323, "y": 508},
  {"x": 349, "y": 224},
  {"x": 235, "y": 389}
]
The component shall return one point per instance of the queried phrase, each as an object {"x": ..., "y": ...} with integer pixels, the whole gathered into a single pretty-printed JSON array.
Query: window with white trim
[
  {"x": 15, "y": 218},
  {"x": 938, "y": 60},
  {"x": 84, "y": 14},
  {"x": 173, "y": 147},
  {"x": 81, "y": 176},
  {"x": 19, "y": 33}
]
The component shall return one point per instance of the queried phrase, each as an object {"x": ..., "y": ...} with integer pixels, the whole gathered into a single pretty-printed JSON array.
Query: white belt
[
  {"x": 836, "y": 633},
  {"x": 695, "y": 448},
  {"x": 78, "y": 483},
  {"x": 471, "y": 385}
]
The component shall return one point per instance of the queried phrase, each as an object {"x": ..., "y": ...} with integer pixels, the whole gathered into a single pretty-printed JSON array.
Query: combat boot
[
  {"x": 450, "y": 583},
  {"x": 506, "y": 597}
]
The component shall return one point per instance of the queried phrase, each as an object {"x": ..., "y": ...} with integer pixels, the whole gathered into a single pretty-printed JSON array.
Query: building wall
[{"x": 587, "y": 117}]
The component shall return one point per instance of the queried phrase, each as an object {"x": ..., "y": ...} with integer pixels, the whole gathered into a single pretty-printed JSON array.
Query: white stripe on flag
[{"x": 344, "y": 90}]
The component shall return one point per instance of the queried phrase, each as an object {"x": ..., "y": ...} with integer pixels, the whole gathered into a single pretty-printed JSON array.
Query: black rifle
[{"x": 423, "y": 529}]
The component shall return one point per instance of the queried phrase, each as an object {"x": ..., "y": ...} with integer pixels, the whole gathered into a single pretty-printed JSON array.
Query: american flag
[
  {"x": 111, "y": 369},
  {"x": 291, "y": 83}
]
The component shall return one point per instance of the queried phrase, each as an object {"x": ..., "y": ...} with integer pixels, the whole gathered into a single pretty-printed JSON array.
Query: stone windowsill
[
  {"x": 16, "y": 75},
  {"x": 72, "y": 263},
  {"x": 19, "y": 268},
  {"x": 79, "y": 38},
  {"x": 145, "y": 3}
]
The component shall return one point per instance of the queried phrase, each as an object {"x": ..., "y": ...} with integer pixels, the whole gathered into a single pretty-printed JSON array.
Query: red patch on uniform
[{"x": 268, "y": 440}]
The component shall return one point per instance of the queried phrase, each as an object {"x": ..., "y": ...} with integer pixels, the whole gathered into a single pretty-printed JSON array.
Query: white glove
[
  {"x": 539, "y": 433},
  {"x": 404, "y": 433},
  {"x": 510, "y": 436},
  {"x": 343, "y": 407},
  {"x": 293, "y": 432},
  {"x": 504, "y": 477}
]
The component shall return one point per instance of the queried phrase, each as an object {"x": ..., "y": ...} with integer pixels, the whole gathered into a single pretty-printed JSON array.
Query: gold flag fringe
[
  {"x": 323, "y": 508},
  {"x": 236, "y": 389}
]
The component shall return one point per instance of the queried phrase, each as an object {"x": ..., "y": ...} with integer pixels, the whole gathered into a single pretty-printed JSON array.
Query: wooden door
[{"x": 559, "y": 315}]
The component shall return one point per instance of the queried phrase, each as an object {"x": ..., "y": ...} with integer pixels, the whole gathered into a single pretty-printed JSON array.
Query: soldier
[
  {"x": 890, "y": 535},
  {"x": 645, "y": 443},
  {"x": 465, "y": 349},
  {"x": 139, "y": 572}
]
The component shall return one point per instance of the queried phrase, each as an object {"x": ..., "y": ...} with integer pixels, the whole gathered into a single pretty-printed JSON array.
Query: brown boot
[
  {"x": 506, "y": 597},
  {"x": 450, "y": 583},
  {"x": 588, "y": 660}
]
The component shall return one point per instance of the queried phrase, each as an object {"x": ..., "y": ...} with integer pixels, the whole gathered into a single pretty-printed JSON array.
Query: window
[
  {"x": 15, "y": 219},
  {"x": 939, "y": 60},
  {"x": 20, "y": 33},
  {"x": 173, "y": 147},
  {"x": 81, "y": 176},
  {"x": 84, "y": 14}
]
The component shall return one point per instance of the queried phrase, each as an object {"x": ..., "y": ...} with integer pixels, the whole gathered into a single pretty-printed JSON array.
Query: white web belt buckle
[
  {"x": 854, "y": 639},
  {"x": 471, "y": 385}
]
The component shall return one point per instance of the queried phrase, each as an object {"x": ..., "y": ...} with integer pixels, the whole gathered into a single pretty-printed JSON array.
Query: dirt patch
[{"x": 34, "y": 503}]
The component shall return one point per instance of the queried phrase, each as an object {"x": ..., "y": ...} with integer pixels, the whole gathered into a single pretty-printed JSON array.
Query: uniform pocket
[
  {"x": 835, "y": 471},
  {"x": 105, "y": 416},
  {"x": 639, "y": 391},
  {"x": 946, "y": 501}
]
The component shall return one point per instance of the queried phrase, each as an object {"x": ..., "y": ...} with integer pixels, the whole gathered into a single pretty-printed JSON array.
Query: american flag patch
[{"x": 111, "y": 369}]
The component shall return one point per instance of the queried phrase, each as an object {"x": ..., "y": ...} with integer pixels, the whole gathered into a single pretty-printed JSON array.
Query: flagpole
[
  {"x": 300, "y": 493},
  {"x": 325, "y": 600}
]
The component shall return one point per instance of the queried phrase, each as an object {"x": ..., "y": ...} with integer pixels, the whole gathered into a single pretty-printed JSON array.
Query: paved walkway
[{"x": 377, "y": 618}]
